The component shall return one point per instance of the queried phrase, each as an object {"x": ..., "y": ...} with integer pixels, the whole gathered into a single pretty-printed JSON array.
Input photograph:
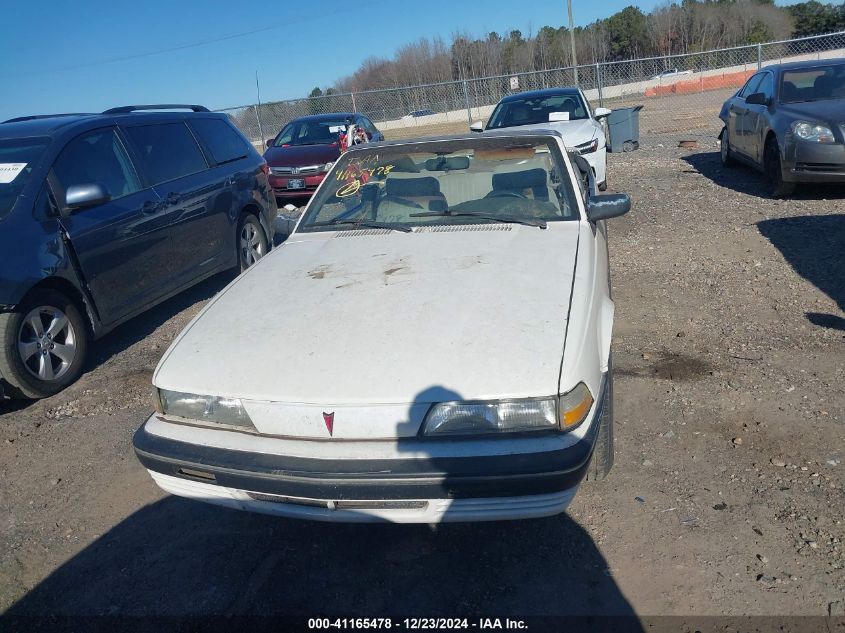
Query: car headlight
[
  {"x": 509, "y": 416},
  {"x": 214, "y": 409},
  {"x": 812, "y": 132},
  {"x": 589, "y": 147}
]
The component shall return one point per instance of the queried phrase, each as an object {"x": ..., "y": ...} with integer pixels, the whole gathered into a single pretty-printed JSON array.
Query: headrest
[
  {"x": 823, "y": 85},
  {"x": 520, "y": 179},
  {"x": 404, "y": 187},
  {"x": 520, "y": 112}
]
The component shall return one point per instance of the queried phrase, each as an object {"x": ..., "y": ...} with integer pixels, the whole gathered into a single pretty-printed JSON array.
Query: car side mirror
[
  {"x": 757, "y": 98},
  {"x": 478, "y": 126},
  {"x": 88, "y": 195},
  {"x": 608, "y": 206},
  {"x": 600, "y": 113},
  {"x": 269, "y": 143}
]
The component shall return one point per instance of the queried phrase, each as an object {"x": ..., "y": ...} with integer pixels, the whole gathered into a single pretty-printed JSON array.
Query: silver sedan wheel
[
  {"x": 47, "y": 343},
  {"x": 253, "y": 246}
]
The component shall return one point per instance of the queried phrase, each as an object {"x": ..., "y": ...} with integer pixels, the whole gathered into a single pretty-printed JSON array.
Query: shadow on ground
[
  {"x": 748, "y": 181},
  {"x": 182, "y": 558},
  {"x": 815, "y": 247}
]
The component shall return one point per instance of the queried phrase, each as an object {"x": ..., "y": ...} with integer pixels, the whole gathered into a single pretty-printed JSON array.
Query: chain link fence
[{"x": 681, "y": 94}]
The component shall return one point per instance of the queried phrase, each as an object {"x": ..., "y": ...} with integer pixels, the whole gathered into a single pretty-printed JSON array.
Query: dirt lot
[{"x": 726, "y": 497}]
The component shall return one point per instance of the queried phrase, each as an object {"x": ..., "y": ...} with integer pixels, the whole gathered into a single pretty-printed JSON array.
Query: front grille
[
  {"x": 296, "y": 171},
  {"x": 260, "y": 496},
  {"x": 341, "y": 505},
  {"x": 821, "y": 167},
  {"x": 308, "y": 170}
]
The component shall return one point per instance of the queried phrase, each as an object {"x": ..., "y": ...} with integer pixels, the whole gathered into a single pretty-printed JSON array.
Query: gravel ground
[{"x": 726, "y": 497}]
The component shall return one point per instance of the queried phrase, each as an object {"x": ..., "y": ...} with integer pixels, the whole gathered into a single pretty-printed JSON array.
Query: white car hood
[
  {"x": 574, "y": 132},
  {"x": 333, "y": 320}
]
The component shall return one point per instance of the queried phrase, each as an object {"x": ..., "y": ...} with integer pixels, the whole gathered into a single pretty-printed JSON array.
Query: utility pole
[
  {"x": 258, "y": 108},
  {"x": 572, "y": 41}
]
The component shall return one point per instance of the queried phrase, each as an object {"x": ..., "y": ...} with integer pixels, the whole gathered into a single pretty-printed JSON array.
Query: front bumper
[
  {"x": 598, "y": 161},
  {"x": 411, "y": 489},
  {"x": 280, "y": 185},
  {"x": 814, "y": 162}
]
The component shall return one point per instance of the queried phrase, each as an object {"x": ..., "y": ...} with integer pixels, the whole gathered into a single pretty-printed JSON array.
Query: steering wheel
[{"x": 505, "y": 193}]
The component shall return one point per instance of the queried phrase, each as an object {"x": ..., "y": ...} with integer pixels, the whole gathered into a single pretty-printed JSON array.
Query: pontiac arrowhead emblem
[{"x": 328, "y": 418}]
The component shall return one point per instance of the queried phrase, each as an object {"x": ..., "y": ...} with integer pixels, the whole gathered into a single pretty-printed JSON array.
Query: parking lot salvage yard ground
[{"x": 726, "y": 496}]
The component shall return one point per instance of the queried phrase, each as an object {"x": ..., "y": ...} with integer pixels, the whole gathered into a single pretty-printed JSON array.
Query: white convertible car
[
  {"x": 432, "y": 343},
  {"x": 564, "y": 110}
]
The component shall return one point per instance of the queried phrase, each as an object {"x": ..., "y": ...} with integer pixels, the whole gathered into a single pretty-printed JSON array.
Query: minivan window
[
  {"x": 97, "y": 157},
  {"x": 167, "y": 151},
  {"x": 18, "y": 157},
  {"x": 224, "y": 143}
]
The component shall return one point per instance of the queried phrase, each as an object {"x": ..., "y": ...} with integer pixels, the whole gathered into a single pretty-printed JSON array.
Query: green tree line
[{"x": 671, "y": 29}]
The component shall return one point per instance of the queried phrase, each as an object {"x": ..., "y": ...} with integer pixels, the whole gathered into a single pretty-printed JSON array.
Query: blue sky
[{"x": 93, "y": 54}]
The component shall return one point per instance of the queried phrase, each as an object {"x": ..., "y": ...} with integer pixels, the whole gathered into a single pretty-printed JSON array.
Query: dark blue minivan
[{"x": 103, "y": 216}]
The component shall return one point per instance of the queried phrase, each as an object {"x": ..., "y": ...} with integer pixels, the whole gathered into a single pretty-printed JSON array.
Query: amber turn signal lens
[{"x": 574, "y": 406}]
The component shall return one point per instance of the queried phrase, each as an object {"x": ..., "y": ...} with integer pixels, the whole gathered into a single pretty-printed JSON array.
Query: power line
[{"x": 181, "y": 47}]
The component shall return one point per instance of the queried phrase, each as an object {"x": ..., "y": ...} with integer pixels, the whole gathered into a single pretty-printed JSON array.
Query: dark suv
[{"x": 103, "y": 216}]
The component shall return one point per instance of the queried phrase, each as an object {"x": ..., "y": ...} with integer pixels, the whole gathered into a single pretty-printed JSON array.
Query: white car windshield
[
  {"x": 534, "y": 110},
  {"x": 478, "y": 180}
]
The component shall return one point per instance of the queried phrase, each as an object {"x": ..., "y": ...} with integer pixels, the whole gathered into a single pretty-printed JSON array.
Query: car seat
[
  {"x": 568, "y": 106},
  {"x": 517, "y": 182},
  {"x": 520, "y": 114},
  {"x": 822, "y": 87},
  {"x": 789, "y": 91},
  {"x": 404, "y": 196}
]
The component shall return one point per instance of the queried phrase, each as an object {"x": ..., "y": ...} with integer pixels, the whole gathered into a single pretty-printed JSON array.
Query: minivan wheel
[
  {"x": 252, "y": 242},
  {"x": 45, "y": 342},
  {"x": 602, "y": 460}
]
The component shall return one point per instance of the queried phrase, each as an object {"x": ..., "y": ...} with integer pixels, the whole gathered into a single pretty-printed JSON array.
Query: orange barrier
[{"x": 713, "y": 82}]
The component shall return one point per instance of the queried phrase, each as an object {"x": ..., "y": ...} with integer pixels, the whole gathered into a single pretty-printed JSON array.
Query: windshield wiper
[
  {"x": 370, "y": 224},
  {"x": 510, "y": 219}
]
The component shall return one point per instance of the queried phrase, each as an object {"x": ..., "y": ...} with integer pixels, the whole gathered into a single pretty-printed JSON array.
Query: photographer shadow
[{"x": 180, "y": 562}]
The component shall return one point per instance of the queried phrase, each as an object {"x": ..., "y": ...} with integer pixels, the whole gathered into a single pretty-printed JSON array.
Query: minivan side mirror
[
  {"x": 608, "y": 206},
  {"x": 757, "y": 98},
  {"x": 600, "y": 113},
  {"x": 269, "y": 142},
  {"x": 87, "y": 195},
  {"x": 478, "y": 126}
]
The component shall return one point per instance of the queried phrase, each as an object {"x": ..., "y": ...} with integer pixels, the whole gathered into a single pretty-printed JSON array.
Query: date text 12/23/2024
[{"x": 415, "y": 624}]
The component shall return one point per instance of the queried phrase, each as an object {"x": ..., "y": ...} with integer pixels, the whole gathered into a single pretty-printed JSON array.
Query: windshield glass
[
  {"x": 310, "y": 133},
  {"x": 469, "y": 181},
  {"x": 813, "y": 84},
  {"x": 534, "y": 110},
  {"x": 18, "y": 158}
]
